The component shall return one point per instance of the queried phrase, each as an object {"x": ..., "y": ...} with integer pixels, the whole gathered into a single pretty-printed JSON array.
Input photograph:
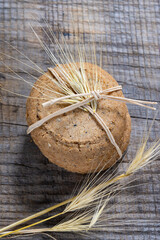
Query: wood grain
[{"x": 128, "y": 32}]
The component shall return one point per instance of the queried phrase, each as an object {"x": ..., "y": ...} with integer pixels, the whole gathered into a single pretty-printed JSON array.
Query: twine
[{"x": 93, "y": 95}]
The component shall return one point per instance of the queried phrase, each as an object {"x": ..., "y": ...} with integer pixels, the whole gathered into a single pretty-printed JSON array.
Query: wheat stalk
[
  {"x": 73, "y": 86},
  {"x": 91, "y": 196}
]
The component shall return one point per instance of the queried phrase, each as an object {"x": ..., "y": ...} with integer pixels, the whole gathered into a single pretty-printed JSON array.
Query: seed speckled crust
[{"x": 75, "y": 141}]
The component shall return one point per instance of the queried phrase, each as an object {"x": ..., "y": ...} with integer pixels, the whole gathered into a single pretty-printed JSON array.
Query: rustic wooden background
[{"x": 129, "y": 33}]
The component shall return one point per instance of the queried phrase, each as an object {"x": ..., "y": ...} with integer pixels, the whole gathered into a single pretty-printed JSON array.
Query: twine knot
[{"x": 96, "y": 95}]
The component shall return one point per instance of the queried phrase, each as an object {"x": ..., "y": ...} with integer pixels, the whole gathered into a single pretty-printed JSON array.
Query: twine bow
[{"x": 93, "y": 95}]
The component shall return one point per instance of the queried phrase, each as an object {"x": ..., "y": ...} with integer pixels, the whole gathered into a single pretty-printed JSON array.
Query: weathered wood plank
[{"x": 128, "y": 34}]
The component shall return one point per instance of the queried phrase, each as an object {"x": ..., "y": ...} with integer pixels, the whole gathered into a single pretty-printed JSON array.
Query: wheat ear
[{"x": 88, "y": 196}]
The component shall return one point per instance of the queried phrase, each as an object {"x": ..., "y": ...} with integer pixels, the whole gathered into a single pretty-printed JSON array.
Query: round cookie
[{"x": 75, "y": 140}]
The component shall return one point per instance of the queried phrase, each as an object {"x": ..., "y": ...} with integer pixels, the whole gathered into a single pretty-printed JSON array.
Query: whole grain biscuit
[{"x": 75, "y": 141}]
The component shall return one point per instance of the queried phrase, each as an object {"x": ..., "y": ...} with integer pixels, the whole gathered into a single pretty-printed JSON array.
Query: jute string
[{"x": 93, "y": 95}]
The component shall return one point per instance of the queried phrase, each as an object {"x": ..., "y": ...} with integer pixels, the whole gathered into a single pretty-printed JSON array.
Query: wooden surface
[{"x": 128, "y": 32}]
